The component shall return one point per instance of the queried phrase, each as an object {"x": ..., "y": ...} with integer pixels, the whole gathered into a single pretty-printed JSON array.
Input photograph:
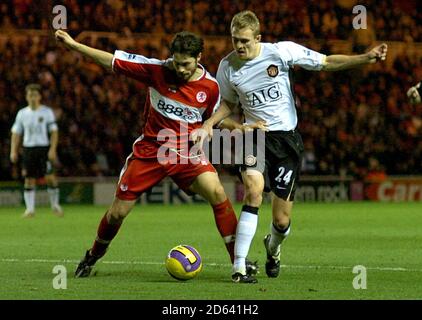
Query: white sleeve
[
  {"x": 295, "y": 54},
  {"x": 51, "y": 124},
  {"x": 226, "y": 89},
  {"x": 18, "y": 125}
]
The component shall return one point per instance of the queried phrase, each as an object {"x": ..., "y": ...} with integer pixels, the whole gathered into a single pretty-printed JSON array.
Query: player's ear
[
  {"x": 198, "y": 58},
  {"x": 258, "y": 38}
]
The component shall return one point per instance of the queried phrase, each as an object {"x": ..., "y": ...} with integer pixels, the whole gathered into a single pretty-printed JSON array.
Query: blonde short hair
[{"x": 246, "y": 19}]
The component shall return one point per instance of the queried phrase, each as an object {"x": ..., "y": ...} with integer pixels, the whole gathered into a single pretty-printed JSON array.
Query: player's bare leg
[
  {"x": 54, "y": 194},
  {"x": 279, "y": 230},
  {"x": 253, "y": 182},
  {"x": 107, "y": 230},
  {"x": 29, "y": 197}
]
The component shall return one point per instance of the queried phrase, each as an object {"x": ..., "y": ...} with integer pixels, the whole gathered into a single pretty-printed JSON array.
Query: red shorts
[{"x": 142, "y": 171}]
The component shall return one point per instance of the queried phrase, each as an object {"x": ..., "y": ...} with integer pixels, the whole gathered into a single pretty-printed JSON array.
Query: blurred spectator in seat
[{"x": 376, "y": 172}]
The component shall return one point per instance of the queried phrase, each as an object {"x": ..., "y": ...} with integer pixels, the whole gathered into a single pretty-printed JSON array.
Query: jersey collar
[{"x": 204, "y": 73}]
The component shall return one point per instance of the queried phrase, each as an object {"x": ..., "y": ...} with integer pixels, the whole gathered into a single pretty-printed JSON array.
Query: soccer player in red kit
[{"x": 181, "y": 95}]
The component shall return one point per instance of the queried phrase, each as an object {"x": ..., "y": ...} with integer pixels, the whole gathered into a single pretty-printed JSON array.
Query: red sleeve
[
  {"x": 136, "y": 66},
  {"x": 214, "y": 101}
]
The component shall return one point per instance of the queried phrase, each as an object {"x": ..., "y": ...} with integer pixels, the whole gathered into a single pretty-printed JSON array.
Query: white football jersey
[
  {"x": 263, "y": 86},
  {"x": 35, "y": 125}
]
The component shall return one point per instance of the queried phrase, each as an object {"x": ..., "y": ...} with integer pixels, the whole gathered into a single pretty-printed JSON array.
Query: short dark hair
[
  {"x": 187, "y": 43},
  {"x": 33, "y": 87}
]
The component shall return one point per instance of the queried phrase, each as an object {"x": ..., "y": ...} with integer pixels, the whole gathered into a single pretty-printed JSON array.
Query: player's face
[
  {"x": 245, "y": 43},
  {"x": 33, "y": 97},
  {"x": 185, "y": 65}
]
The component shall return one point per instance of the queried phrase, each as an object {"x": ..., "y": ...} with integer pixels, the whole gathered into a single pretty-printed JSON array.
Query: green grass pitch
[{"x": 326, "y": 242}]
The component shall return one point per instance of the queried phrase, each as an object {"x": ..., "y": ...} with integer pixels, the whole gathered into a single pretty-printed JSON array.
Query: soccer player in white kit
[
  {"x": 256, "y": 75},
  {"x": 37, "y": 124}
]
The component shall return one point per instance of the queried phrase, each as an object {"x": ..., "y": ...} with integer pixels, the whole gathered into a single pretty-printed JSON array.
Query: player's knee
[
  {"x": 253, "y": 197},
  {"x": 116, "y": 214},
  {"x": 219, "y": 193},
  {"x": 48, "y": 177},
  {"x": 281, "y": 222},
  {"x": 51, "y": 181},
  {"x": 281, "y": 218},
  {"x": 29, "y": 183},
  {"x": 253, "y": 190}
]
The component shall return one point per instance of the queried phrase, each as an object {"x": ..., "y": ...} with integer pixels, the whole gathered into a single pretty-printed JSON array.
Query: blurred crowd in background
[
  {"x": 296, "y": 19},
  {"x": 355, "y": 122}
]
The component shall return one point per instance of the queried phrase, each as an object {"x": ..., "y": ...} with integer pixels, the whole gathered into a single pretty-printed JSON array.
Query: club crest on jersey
[
  {"x": 123, "y": 187},
  {"x": 40, "y": 119},
  {"x": 201, "y": 96},
  {"x": 272, "y": 71}
]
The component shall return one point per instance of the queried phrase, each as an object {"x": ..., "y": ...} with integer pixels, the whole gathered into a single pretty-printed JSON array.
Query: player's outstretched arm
[
  {"x": 223, "y": 111},
  {"x": 102, "y": 58},
  {"x": 337, "y": 62}
]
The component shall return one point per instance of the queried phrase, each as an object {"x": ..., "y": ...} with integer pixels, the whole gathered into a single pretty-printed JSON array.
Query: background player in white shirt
[
  {"x": 37, "y": 124},
  {"x": 256, "y": 75}
]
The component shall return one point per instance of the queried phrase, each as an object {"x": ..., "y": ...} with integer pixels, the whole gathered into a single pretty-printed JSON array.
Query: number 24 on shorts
[{"x": 287, "y": 177}]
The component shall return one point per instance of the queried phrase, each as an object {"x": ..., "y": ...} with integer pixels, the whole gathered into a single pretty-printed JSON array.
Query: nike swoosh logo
[{"x": 278, "y": 187}]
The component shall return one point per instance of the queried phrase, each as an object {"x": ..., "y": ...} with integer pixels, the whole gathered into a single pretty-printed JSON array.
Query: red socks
[
  {"x": 106, "y": 232},
  {"x": 226, "y": 221}
]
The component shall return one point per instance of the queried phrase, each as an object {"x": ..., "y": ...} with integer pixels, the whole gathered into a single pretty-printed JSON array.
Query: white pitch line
[{"x": 212, "y": 264}]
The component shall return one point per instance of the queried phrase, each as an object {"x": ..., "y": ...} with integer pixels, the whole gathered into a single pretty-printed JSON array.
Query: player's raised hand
[
  {"x": 198, "y": 136},
  {"x": 378, "y": 53},
  {"x": 413, "y": 94},
  {"x": 65, "y": 38},
  {"x": 52, "y": 155},
  {"x": 13, "y": 157}
]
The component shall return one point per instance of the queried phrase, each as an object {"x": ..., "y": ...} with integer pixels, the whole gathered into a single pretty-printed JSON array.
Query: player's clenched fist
[
  {"x": 378, "y": 53},
  {"x": 65, "y": 38},
  {"x": 414, "y": 93}
]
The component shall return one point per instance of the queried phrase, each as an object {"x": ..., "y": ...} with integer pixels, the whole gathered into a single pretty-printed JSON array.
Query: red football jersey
[{"x": 171, "y": 104}]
